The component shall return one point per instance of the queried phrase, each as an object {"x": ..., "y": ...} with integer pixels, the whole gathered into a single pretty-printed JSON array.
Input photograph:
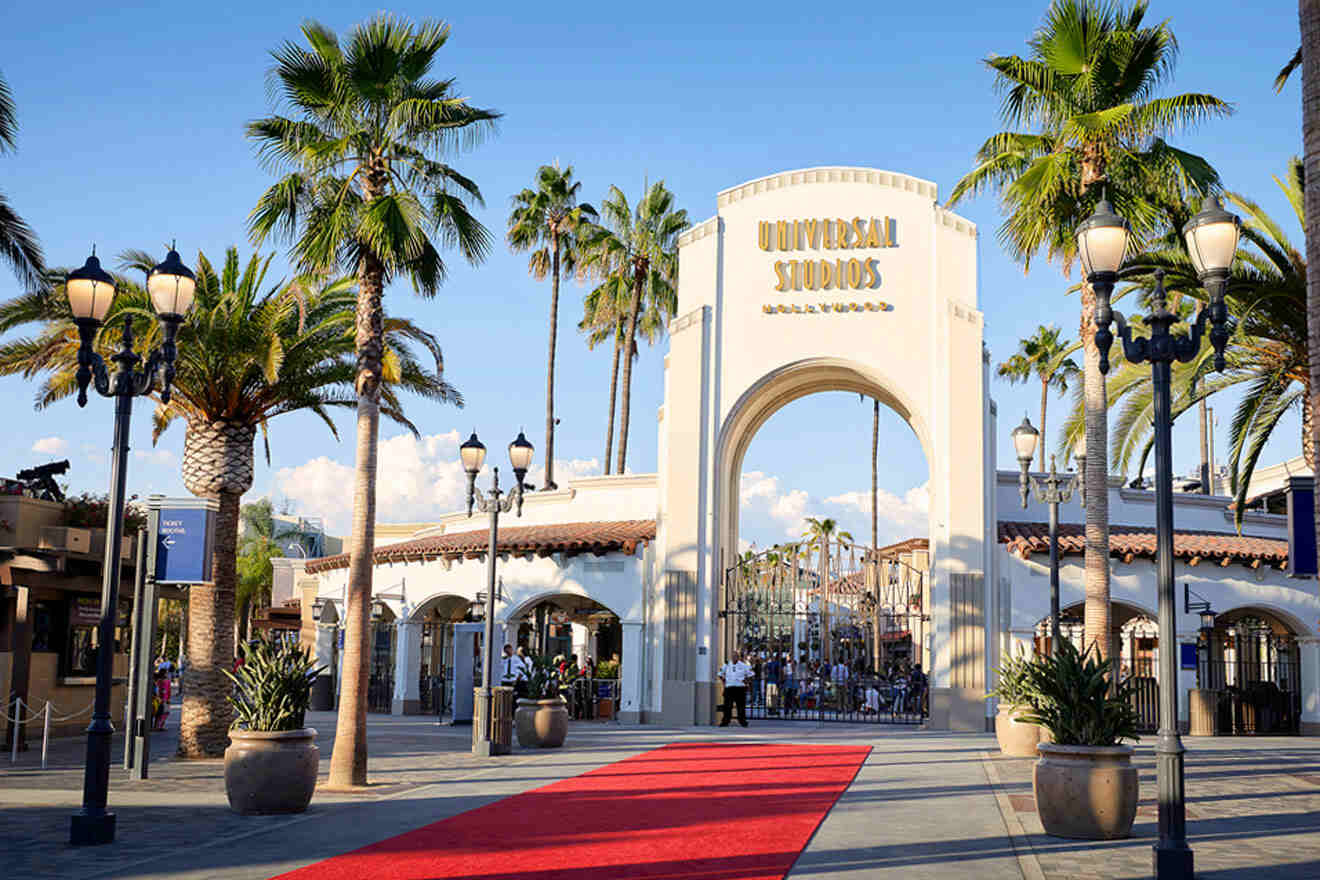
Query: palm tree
[
  {"x": 363, "y": 194},
  {"x": 1087, "y": 92},
  {"x": 246, "y": 354},
  {"x": 1044, "y": 357},
  {"x": 1267, "y": 354},
  {"x": 547, "y": 219},
  {"x": 1309, "y": 16},
  {"x": 640, "y": 245},
  {"x": 822, "y": 530},
  {"x": 605, "y": 316},
  {"x": 257, "y": 547},
  {"x": 18, "y": 243}
]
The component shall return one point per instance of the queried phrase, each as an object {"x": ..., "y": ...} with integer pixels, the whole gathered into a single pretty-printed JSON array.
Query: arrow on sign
[{"x": 168, "y": 541}]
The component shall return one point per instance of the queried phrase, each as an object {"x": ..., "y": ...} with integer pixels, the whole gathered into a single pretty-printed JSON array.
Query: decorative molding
[
  {"x": 830, "y": 174},
  {"x": 682, "y": 322},
  {"x": 945, "y": 217},
  {"x": 698, "y": 232},
  {"x": 965, "y": 312}
]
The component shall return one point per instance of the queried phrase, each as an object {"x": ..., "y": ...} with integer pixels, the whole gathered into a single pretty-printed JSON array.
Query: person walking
[{"x": 735, "y": 674}]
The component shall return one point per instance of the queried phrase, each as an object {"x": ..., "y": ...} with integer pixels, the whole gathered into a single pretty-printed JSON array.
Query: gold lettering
[
  {"x": 768, "y": 309},
  {"x": 840, "y": 274},
  {"x": 840, "y": 307},
  {"x": 793, "y": 281},
  {"x": 889, "y": 233},
  {"x": 783, "y": 279},
  {"x": 854, "y": 307},
  {"x": 811, "y": 229},
  {"x": 797, "y": 239},
  {"x": 782, "y": 228},
  {"x": 859, "y": 234},
  {"x": 809, "y": 274},
  {"x": 811, "y": 309},
  {"x": 872, "y": 275},
  {"x": 873, "y": 237},
  {"x": 855, "y": 273},
  {"x": 829, "y": 234},
  {"x": 783, "y": 309},
  {"x": 841, "y": 234},
  {"x": 797, "y": 309},
  {"x": 826, "y": 274},
  {"x": 763, "y": 235}
]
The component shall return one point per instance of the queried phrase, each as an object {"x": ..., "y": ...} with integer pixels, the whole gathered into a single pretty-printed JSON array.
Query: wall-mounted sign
[
  {"x": 824, "y": 308},
  {"x": 185, "y": 537},
  {"x": 840, "y": 273},
  {"x": 1187, "y": 656}
]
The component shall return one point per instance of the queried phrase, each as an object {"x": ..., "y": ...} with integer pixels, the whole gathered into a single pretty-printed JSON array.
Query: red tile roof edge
[{"x": 1131, "y": 542}]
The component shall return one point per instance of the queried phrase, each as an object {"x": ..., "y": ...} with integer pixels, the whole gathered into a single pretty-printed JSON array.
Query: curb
[{"x": 1028, "y": 864}]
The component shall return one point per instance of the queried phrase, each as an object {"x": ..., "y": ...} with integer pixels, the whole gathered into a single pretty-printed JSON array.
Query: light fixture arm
[{"x": 126, "y": 380}]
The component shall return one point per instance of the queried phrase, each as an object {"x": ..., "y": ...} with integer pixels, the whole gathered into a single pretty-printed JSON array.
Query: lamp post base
[
  {"x": 91, "y": 830},
  {"x": 484, "y": 748},
  {"x": 1172, "y": 863}
]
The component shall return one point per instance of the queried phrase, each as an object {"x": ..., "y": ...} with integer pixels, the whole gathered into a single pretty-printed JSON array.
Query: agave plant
[
  {"x": 273, "y": 687},
  {"x": 1070, "y": 696},
  {"x": 1013, "y": 673}
]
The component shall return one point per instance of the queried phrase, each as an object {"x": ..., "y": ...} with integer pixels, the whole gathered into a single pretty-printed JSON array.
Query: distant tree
[
  {"x": 1043, "y": 356},
  {"x": 18, "y": 243}
]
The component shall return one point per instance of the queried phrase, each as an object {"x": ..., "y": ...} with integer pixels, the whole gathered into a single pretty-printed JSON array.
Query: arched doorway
[
  {"x": 1252, "y": 662},
  {"x": 435, "y": 678},
  {"x": 584, "y": 637},
  {"x": 825, "y": 279}
]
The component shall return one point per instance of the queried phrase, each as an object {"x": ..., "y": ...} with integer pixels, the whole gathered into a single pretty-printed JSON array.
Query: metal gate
[
  {"x": 833, "y": 632},
  {"x": 380, "y": 678}
]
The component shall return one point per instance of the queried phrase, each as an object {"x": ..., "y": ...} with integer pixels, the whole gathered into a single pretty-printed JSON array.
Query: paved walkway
[{"x": 925, "y": 805}]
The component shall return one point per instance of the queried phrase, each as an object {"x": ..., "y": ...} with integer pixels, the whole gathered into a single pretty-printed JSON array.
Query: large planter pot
[
  {"x": 541, "y": 724},
  {"x": 271, "y": 771},
  {"x": 1018, "y": 739},
  {"x": 1086, "y": 792}
]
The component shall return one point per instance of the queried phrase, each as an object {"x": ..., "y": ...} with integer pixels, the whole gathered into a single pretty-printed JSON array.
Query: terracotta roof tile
[
  {"x": 582, "y": 537},
  {"x": 1130, "y": 542}
]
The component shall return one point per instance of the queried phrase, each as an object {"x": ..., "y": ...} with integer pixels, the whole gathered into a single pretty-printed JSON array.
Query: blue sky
[{"x": 132, "y": 134}]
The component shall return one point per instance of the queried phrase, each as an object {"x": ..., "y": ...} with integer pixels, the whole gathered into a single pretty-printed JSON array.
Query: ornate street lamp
[
  {"x": 1211, "y": 237},
  {"x": 1053, "y": 490},
  {"x": 473, "y": 455},
  {"x": 90, "y": 291}
]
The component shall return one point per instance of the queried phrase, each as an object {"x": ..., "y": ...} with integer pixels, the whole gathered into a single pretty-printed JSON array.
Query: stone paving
[
  {"x": 925, "y": 805},
  {"x": 1253, "y": 810}
]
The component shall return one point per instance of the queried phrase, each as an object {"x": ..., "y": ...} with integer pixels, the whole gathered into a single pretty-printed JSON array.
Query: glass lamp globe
[
  {"x": 171, "y": 286},
  {"x": 1025, "y": 437},
  {"x": 1102, "y": 240},
  {"x": 90, "y": 291},
  {"x": 1212, "y": 237},
  {"x": 473, "y": 454},
  {"x": 520, "y": 453}
]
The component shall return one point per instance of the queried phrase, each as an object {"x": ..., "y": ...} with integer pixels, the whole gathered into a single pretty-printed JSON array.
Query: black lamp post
[
  {"x": 1211, "y": 238},
  {"x": 90, "y": 291},
  {"x": 1053, "y": 490},
  {"x": 473, "y": 454}
]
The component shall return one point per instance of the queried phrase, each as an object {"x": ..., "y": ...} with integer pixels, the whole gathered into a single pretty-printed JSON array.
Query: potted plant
[
  {"x": 1084, "y": 782},
  {"x": 1017, "y": 737},
  {"x": 541, "y": 718},
  {"x": 272, "y": 759}
]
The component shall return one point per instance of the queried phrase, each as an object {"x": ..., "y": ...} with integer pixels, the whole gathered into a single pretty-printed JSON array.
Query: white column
[
  {"x": 579, "y": 641},
  {"x": 630, "y": 673},
  {"x": 1310, "y": 683},
  {"x": 466, "y": 639},
  {"x": 407, "y": 667}
]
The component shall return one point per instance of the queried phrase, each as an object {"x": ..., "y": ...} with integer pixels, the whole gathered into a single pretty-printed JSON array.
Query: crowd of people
[
  {"x": 575, "y": 681},
  {"x": 780, "y": 686}
]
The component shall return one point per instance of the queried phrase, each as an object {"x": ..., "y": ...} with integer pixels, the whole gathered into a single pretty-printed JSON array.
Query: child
[{"x": 161, "y": 701}]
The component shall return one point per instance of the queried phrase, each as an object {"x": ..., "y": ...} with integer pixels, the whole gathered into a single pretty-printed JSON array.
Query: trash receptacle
[{"x": 501, "y": 734}]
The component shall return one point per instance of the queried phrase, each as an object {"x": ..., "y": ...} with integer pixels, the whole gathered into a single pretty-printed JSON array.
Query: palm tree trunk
[
  {"x": 1044, "y": 437},
  {"x": 1206, "y": 488},
  {"x": 550, "y": 365},
  {"x": 1309, "y": 16},
  {"x": 244, "y": 617},
  {"x": 825, "y": 640},
  {"x": 614, "y": 390},
  {"x": 625, "y": 406},
  {"x": 875, "y": 450},
  {"x": 1096, "y": 615},
  {"x": 204, "y": 722},
  {"x": 1308, "y": 428},
  {"x": 348, "y": 761}
]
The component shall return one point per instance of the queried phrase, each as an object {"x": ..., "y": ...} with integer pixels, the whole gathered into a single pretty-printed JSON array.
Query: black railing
[
  {"x": 592, "y": 698},
  {"x": 858, "y": 698},
  {"x": 1255, "y": 697}
]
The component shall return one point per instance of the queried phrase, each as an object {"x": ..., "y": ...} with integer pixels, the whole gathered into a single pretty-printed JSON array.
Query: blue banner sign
[
  {"x": 185, "y": 537},
  {"x": 1188, "y": 656}
]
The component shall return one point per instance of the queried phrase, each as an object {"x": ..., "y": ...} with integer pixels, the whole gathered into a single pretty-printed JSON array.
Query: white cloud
[
  {"x": 50, "y": 445},
  {"x": 162, "y": 457},
  {"x": 898, "y": 517},
  {"x": 417, "y": 480},
  {"x": 760, "y": 491}
]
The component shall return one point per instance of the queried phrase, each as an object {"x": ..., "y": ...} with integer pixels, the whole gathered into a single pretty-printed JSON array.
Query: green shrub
[
  {"x": 607, "y": 669},
  {"x": 1070, "y": 696},
  {"x": 1013, "y": 675},
  {"x": 273, "y": 687}
]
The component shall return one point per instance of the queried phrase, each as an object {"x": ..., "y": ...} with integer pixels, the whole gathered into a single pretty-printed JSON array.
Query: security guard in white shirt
[{"x": 734, "y": 674}]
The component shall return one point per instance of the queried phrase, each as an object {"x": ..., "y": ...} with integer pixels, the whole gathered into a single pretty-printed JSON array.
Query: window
[{"x": 47, "y": 622}]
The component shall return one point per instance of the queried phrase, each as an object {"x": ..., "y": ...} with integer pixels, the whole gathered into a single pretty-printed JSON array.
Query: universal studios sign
[{"x": 808, "y": 269}]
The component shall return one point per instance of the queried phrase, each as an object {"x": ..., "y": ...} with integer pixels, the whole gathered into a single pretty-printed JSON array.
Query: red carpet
[{"x": 682, "y": 812}]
